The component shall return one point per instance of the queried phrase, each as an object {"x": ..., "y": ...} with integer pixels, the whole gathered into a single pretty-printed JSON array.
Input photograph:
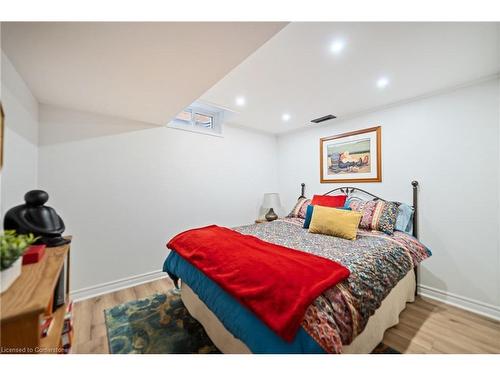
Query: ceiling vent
[{"x": 324, "y": 118}]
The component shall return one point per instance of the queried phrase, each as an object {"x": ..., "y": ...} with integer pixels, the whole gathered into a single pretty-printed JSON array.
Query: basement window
[{"x": 200, "y": 118}]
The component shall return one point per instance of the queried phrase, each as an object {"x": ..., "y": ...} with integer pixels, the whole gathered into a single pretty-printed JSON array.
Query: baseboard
[
  {"x": 112, "y": 286},
  {"x": 478, "y": 307},
  {"x": 465, "y": 303}
]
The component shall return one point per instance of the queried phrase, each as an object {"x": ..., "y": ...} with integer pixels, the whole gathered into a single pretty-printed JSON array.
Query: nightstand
[{"x": 260, "y": 221}]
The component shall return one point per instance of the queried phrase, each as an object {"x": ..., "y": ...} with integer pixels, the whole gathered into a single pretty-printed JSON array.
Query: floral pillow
[
  {"x": 376, "y": 215},
  {"x": 300, "y": 208}
]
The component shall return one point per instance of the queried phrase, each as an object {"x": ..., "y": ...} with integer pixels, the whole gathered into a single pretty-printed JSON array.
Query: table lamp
[{"x": 271, "y": 200}]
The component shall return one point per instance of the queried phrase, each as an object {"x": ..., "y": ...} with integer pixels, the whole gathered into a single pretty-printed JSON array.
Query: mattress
[{"x": 386, "y": 316}]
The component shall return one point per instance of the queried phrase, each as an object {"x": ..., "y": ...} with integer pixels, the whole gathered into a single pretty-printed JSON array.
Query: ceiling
[
  {"x": 296, "y": 72},
  {"x": 140, "y": 71}
]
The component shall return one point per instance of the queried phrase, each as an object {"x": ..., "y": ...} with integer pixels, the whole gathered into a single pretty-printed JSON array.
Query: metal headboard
[{"x": 349, "y": 190}]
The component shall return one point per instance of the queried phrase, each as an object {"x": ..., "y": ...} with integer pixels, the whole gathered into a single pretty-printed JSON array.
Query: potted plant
[{"x": 12, "y": 247}]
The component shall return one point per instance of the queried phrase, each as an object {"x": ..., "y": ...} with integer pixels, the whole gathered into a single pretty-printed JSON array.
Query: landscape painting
[{"x": 351, "y": 157}]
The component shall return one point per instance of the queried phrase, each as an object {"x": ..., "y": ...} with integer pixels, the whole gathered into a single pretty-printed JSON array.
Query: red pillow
[{"x": 329, "y": 200}]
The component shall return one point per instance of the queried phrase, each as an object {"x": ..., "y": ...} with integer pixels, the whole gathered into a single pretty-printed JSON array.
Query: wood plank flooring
[{"x": 425, "y": 326}]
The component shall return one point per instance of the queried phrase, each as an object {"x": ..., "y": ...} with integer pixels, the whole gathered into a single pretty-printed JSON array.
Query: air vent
[{"x": 324, "y": 118}]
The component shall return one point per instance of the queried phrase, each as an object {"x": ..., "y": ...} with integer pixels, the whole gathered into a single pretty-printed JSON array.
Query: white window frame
[{"x": 216, "y": 113}]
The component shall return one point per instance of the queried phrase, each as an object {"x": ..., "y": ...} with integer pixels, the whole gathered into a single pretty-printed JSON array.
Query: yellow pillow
[{"x": 334, "y": 222}]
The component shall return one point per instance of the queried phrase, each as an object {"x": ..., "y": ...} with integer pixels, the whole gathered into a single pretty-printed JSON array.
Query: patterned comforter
[{"x": 377, "y": 262}]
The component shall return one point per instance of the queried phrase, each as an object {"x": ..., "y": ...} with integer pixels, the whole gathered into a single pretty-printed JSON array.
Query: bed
[{"x": 350, "y": 317}]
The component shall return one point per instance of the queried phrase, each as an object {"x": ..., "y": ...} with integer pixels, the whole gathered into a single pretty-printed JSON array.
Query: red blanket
[{"x": 275, "y": 282}]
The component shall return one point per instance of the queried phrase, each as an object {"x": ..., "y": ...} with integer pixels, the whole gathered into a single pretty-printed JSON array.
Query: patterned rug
[{"x": 160, "y": 324}]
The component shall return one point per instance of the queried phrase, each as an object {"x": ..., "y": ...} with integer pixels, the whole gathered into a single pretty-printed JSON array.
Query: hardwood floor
[
  {"x": 425, "y": 326},
  {"x": 88, "y": 320}
]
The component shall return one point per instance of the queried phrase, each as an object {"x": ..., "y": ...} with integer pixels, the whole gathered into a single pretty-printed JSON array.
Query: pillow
[
  {"x": 309, "y": 213},
  {"x": 335, "y": 222},
  {"x": 348, "y": 202},
  {"x": 329, "y": 200},
  {"x": 404, "y": 220},
  {"x": 376, "y": 215},
  {"x": 299, "y": 210}
]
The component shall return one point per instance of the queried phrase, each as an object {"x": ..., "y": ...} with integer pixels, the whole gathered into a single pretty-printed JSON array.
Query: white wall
[
  {"x": 1, "y": 64},
  {"x": 19, "y": 173},
  {"x": 449, "y": 143},
  {"x": 124, "y": 188}
]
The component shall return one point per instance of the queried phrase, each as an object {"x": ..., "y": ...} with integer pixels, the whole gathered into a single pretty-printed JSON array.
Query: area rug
[{"x": 160, "y": 324}]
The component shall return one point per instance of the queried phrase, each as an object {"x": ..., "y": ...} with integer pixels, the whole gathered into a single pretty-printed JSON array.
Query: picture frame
[
  {"x": 351, "y": 157},
  {"x": 2, "y": 120}
]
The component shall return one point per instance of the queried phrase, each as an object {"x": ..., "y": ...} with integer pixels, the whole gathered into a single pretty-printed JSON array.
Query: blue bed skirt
[{"x": 236, "y": 318}]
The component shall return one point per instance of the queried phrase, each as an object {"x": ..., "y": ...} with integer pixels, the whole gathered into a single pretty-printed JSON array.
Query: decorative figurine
[{"x": 34, "y": 217}]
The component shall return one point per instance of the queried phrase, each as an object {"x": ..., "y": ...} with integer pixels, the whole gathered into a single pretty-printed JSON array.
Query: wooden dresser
[{"x": 26, "y": 302}]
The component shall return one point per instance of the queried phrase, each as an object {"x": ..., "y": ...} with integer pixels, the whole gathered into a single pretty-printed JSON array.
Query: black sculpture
[{"x": 34, "y": 217}]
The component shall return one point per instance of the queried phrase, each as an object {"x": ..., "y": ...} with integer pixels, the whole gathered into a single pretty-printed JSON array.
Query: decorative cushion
[
  {"x": 309, "y": 213},
  {"x": 299, "y": 210},
  {"x": 404, "y": 221},
  {"x": 329, "y": 200},
  {"x": 376, "y": 215},
  {"x": 335, "y": 222}
]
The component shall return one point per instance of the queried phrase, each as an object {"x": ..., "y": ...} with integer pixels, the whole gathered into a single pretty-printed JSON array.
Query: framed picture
[
  {"x": 351, "y": 157},
  {"x": 2, "y": 116}
]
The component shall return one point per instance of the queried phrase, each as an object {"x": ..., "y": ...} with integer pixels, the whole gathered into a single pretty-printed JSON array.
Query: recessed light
[
  {"x": 240, "y": 101},
  {"x": 337, "y": 46},
  {"x": 285, "y": 116},
  {"x": 382, "y": 82}
]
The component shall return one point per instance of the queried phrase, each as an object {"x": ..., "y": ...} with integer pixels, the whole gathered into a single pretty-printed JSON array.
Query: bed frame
[
  {"x": 349, "y": 190},
  {"x": 387, "y": 314}
]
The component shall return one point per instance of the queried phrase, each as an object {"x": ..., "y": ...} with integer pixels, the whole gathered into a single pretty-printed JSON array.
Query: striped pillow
[
  {"x": 300, "y": 208},
  {"x": 376, "y": 215}
]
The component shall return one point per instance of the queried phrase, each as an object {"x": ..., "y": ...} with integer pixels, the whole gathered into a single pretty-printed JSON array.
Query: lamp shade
[{"x": 271, "y": 200}]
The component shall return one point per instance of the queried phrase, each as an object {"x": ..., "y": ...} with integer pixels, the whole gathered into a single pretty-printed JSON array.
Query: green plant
[{"x": 12, "y": 246}]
